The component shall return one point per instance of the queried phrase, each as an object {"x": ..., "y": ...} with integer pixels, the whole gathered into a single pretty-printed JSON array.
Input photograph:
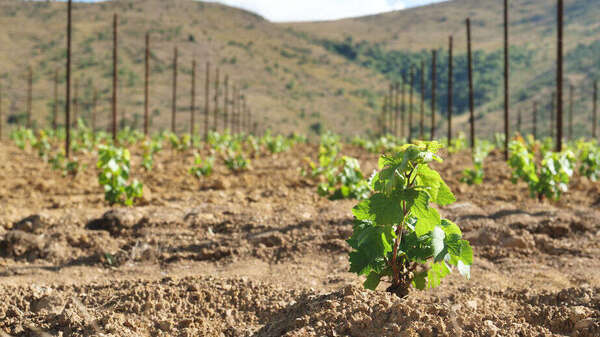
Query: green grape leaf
[
  {"x": 450, "y": 227},
  {"x": 380, "y": 208},
  {"x": 360, "y": 262},
  {"x": 438, "y": 271},
  {"x": 453, "y": 244},
  {"x": 372, "y": 281},
  {"x": 112, "y": 166},
  {"x": 437, "y": 243},
  {"x": 373, "y": 243},
  {"x": 388, "y": 180},
  {"x": 427, "y": 217},
  {"x": 461, "y": 256},
  {"x": 438, "y": 190},
  {"x": 466, "y": 252},
  {"x": 464, "y": 269},
  {"x": 445, "y": 196},
  {"x": 411, "y": 154},
  {"x": 362, "y": 211},
  {"x": 419, "y": 281},
  {"x": 417, "y": 249},
  {"x": 383, "y": 162}
]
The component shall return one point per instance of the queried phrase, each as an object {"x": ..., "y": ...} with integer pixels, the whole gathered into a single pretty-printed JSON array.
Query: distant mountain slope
[
  {"x": 392, "y": 42},
  {"x": 291, "y": 84},
  {"x": 532, "y": 22}
]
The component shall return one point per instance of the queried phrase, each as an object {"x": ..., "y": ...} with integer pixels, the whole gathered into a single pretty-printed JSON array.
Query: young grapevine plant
[
  {"x": 329, "y": 149},
  {"x": 382, "y": 144},
  {"x": 69, "y": 167},
  {"x": 348, "y": 183},
  {"x": 547, "y": 179},
  {"x": 589, "y": 158},
  {"x": 22, "y": 136},
  {"x": 150, "y": 148},
  {"x": 42, "y": 145},
  {"x": 114, "y": 168},
  {"x": 236, "y": 162},
  {"x": 179, "y": 144},
  {"x": 202, "y": 167},
  {"x": 458, "y": 144},
  {"x": 397, "y": 234},
  {"x": 276, "y": 144},
  {"x": 474, "y": 176}
]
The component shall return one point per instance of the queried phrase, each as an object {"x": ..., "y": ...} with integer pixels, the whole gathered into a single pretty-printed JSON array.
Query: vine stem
[
  {"x": 396, "y": 277},
  {"x": 396, "y": 272}
]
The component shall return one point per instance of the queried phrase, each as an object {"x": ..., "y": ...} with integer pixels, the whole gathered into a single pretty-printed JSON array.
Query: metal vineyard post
[
  {"x": 146, "y": 83},
  {"x": 55, "y": 105},
  {"x": 506, "y": 78},
  {"x": 115, "y": 79},
  {"x": 216, "y": 97},
  {"x": 450, "y": 91},
  {"x": 193, "y": 102},
  {"x": 410, "y": 104},
  {"x": 174, "y": 99},
  {"x": 29, "y": 95},
  {"x": 422, "y": 121},
  {"x": 559, "y": 78},
  {"x": 433, "y": 97},
  {"x": 68, "y": 89},
  {"x": 206, "y": 101},
  {"x": 471, "y": 94}
]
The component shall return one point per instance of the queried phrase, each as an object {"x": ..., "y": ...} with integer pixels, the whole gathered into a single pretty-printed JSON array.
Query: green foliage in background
[
  {"x": 345, "y": 181},
  {"x": 237, "y": 162},
  {"x": 150, "y": 147},
  {"x": 474, "y": 176},
  {"x": 588, "y": 154},
  {"x": 114, "y": 166},
  {"x": 202, "y": 167},
  {"x": 546, "y": 178}
]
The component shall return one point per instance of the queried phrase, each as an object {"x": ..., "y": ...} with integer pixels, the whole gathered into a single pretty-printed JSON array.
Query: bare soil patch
[{"x": 260, "y": 254}]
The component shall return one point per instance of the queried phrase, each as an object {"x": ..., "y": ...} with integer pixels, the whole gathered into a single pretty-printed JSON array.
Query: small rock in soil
[
  {"x": 31, "y": 224},
  {"x": 116, "y": 221}
]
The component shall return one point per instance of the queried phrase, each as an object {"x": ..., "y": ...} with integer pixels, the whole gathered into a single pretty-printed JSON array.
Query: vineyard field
[{"x": 259, "y": 253}]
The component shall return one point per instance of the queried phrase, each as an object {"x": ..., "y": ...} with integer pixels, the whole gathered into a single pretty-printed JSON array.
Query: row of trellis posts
[
  {"x": 236, "y": 115},
  {"x": 395, "y": 107}
]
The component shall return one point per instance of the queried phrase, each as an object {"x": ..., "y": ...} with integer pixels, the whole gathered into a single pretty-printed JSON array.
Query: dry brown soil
[{"x": 260, "y": 254}]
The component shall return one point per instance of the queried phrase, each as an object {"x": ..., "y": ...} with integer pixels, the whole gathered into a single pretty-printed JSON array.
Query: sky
[{"x": 313, "y": 10}]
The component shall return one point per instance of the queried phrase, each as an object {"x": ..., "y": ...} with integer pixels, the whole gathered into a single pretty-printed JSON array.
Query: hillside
[
  {"x": 532, "y": 22},
  {"x": 394, "y": 41},
  {"x": 291, "y": 83},
  {"x": 298, "y": 76}
]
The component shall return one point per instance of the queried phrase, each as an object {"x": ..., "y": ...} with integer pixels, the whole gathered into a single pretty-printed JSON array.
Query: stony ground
[{"x": 260, "y": 254}]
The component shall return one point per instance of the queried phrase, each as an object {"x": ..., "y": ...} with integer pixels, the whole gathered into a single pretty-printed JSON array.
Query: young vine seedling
[
  {"x": 397, "y": 234},
  {"x": 475, "y": 175},
  {"x": 276, "y": 144},
  {"x": 329, "y": 150},
  {"x": 236, "y": 162},
  {"x": 202, "y": 167},
  {"x": 42, "y": 145},
  {"x": 589, "y": 157},
  {"x": 21, "y": 136},
  {"x": 347, "y": 182},
  {"x": 458, "y": 144},
  {"x": 150, "y": 148},
  {"x": 114, "y": 168},
  {"x": 547, "y": 179}
]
